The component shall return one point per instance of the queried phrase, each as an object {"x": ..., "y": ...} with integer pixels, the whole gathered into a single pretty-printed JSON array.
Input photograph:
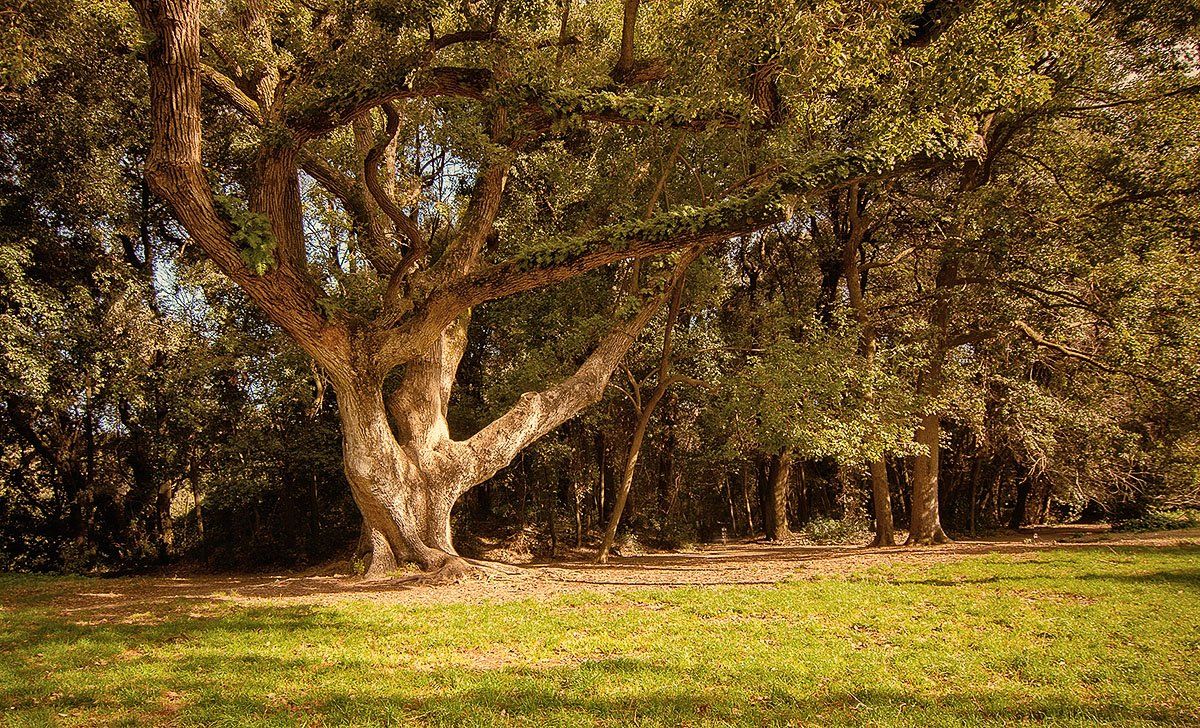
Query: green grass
[{"x": 1067, "y": 636}]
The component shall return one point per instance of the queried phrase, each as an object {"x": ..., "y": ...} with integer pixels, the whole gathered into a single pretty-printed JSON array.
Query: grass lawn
[{"x": 1064, "y": 636}]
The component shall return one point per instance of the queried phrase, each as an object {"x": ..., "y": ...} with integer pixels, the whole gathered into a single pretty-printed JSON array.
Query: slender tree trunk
[
  {"x": 635, "y": 449},
  {"x": 855, "y": 282},
  {"x": 166, "y": 532},
  {"x": 746, "y": 498},
  {"x": 194, "y": 481},
  {"x": 1044, "y": 507},
  {"x": 732, "y": 512},
  {"x": 602, "y": 475},
  {"x": 976, "y": 471},
  {"x": 646, "y": 410},
  {"x": 776, "y": 506},
  {"x": 881, "y": 495},
  {"x": 578, "y": 496},
  {"x": 1018, "y": 514}
]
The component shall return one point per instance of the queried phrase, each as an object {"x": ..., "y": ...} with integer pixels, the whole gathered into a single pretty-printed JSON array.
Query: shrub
[
  {"x": 836, "y": 532},
  {"x": 1162, "y": 520}
]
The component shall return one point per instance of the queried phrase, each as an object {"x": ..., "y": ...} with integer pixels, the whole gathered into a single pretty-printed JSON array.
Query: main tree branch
[
  {"x": 538, "y": 413},
  {"x": 174, "y": 171}
]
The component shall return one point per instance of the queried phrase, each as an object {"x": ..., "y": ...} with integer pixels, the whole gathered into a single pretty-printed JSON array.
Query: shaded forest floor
[
  {"x": 743, "y": 563},
  {"x": 1094, "y": 629}
]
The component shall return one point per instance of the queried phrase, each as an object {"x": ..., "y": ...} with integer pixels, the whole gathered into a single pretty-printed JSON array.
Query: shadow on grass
[
  {"x": 218, "y": 667},
  {"x": 1176, "y": 577},
  {"x": 647, "y": 694},
  {"x": 210, "y": 686}
]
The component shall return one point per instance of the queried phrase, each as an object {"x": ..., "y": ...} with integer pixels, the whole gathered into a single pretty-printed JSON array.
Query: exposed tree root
[
  {"x": 452, "y": 570},
  {"x": 457, "y": 569},
  {"x": 935, "y": 539}
]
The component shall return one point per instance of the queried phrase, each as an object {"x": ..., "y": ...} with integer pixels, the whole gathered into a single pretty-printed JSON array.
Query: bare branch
[
  {"x": 1031, "y": 334},
  {"x": 403, "y": 222}
]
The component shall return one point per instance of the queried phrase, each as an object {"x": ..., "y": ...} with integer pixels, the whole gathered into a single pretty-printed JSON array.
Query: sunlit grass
[{"x": 1067, "y": 636}]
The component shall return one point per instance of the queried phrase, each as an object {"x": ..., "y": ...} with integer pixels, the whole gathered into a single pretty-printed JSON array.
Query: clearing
[{"x": 1067, "y": 627}]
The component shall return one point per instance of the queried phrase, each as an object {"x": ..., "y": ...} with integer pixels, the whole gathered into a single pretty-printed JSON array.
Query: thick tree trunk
[
  {"x": 409, "y": 509},
  {"x": 406, "y": 472},
  {"x": 376, "y": 553},
  {"x": 881, "y": 495},
  {"x": 926, "y": 523}
]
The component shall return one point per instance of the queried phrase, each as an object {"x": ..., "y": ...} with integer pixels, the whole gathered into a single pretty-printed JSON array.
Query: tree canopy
[{"x": 275, "y": 274}]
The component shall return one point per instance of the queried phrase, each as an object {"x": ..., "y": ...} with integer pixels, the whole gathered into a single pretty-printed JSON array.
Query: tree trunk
[
  {"x": 926, "y": 523},
  {"x": 166, "y": 531},
  {"x": 855, "y": 283},
  {"x": 377, "y": 556},
  {"x": 881, "y": 495},
  {"x": 646, "y": 409},
  {"x": 635, "y": 449},
  {"x": 405, "y": 471},
  {"x": 776, "y": 506},
  {"x": 746, "y": 498},
  {"x": 194, "y": 481},
  {"x": 1044, "y": 507},
  {"x": 404, "y": 503},
  {"x": 602, "y": 479},
  {"x": 976, "y": 471},
  {"x": 1018, "y": 514}
]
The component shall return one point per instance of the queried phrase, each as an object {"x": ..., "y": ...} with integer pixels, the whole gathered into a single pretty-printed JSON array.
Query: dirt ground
[{"x": 149, "y": 599}]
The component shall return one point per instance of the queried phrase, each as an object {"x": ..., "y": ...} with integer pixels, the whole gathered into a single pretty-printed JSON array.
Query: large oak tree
[{"x": 256, "y": 104}]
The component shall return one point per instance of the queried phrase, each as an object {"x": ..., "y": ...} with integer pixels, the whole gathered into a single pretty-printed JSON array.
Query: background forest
[{"x": 1016, "y": 323}]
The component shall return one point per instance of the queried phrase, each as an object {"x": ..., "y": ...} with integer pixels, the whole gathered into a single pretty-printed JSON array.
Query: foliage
[
  {"x": 829, "y": 531},
  {"x": 1162, "y": 520},
  {"x": 251, "y": 233}
]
